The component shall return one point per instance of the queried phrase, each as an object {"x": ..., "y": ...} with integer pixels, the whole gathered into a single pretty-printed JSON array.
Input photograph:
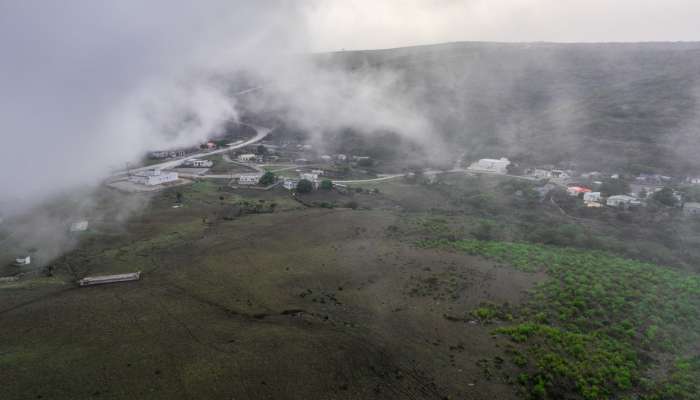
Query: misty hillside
[{"x": 627, "y": 106}]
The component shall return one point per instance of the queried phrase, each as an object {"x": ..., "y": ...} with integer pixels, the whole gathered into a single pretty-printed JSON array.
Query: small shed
[
  {"x": 79, "y": 226},
  {"x": 23, "y": 260},
  {"x": 691, "y": 208}
]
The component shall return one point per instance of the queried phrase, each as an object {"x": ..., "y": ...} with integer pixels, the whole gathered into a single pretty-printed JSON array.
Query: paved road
[
  {"x": 261, "y": 133},
  {"x": 380, "y": 178},
  {"x": 432, "y": 172}
]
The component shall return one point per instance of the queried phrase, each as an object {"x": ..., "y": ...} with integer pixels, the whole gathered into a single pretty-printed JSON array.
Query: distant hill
[{"x": 632, "y": 107}]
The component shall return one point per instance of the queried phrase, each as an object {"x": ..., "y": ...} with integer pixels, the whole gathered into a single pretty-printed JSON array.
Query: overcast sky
[{"x": 362, "y": 24}]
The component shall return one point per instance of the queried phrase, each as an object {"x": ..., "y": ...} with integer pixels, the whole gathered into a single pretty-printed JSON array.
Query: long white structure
[
  {"x": 197, "y": 163},
  {"x": 249, "y": 179},
  {"x": 152, "y": 177},
  {"x": 99, "y": 280},
  {"x": 622, "y": 200},
  {"x": 491, "y": 165}
]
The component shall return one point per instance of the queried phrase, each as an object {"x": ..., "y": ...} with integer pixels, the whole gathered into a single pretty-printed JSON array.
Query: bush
[
  {"x": 326, "y": 184},
  {"x": 486, "y": 230},
  {"x": 305, "y": 186},
  {"x": 268, "y": 178}
]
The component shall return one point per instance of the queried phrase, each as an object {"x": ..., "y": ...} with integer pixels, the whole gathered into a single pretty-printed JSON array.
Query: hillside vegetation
[
  {"x": 598, "y": 324},
  {"x": 632, "y": 107}
]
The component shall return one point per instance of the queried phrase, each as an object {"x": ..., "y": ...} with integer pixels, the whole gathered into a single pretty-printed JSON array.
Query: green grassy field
[{"x": 393, "y": 300}]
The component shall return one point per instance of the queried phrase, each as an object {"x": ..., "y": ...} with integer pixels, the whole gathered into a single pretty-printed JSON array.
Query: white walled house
[
  {"x": 309, "y": 177},
  {"x": 247, "y": 157},
  {"x": 23, "y": 260},
  {"x": 79, "y": 226},
  {"x": 249, "y": 179},
  {"x": 491, "y": 165},
  {"x": 290, "y": 184},
  {"x": 592, "y": 197},
  {"x": 560, "y": 174},
  {"x": 152, "y": 177},
  {"x": 318, "y": 172},
  {"x": 541, "y": 173},
  {"x": 622, "y": 201}
]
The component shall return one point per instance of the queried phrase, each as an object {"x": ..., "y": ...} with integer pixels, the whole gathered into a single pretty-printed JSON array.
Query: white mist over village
[{"x": 350, "y": 199}]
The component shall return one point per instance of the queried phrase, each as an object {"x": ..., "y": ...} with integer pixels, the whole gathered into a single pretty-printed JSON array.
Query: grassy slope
[
  {"x": 301, "y": 303},
  {"x": 630, "y": 106}
]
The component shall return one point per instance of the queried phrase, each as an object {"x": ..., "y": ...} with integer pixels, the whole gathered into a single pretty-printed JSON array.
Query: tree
[
  {"x": 666, "y": 197},
  {"x": 326, "y": 184},
  {"x": 261, "y": 150},
  {"x": 178, "y": 197},
  {"x": 305, "y": 186},
  {"x": 612, "y": 187},
  {"x": 268, "y": 178}
]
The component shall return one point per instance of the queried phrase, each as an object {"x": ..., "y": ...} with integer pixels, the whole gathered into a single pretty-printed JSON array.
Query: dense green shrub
[{"x": 595, "y": 325}]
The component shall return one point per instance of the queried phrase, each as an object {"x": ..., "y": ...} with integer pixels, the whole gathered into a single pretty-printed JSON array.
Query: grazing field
[
  {"x": 302, "y": 303},
  {"x": 251, "y": 294}
]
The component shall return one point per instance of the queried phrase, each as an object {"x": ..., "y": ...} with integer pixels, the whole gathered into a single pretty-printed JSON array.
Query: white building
[
  {"x": 309, "y": 176},
  {"x": 247, "y": 157},
  {"x": 326, "y": 157},
  {"x": 249, "y": 179},
  {"x": 79, "y": 226},
  {"x": 691, "y": 208},
  {"x": 541, "y": 173},
  {"x": 591, "y": 197},
  {"x": 23, "y": 260},
  {"x": 341, "y": 157},
  {"x": 560, "y": 174},
  {"x": 318, "y": 172},
  {"x": 622, "y": 201},
  {"x": 197, "y": 163},
  {"x": 290, "y": 184},
  {"x": 491, "y": 165},
  {"x": 152, "y": 177}
]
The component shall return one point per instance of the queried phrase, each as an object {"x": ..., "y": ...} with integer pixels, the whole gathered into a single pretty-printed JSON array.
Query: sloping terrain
[
  {"x": 298, "y": 304},
  {"x": 628, "y": 106}
]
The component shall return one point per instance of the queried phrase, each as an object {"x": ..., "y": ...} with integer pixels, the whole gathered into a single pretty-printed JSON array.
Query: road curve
[{"x": 261, "y": 133}]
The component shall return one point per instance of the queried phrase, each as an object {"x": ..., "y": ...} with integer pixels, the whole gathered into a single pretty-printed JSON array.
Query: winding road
[{"x": 261, "y": 133}]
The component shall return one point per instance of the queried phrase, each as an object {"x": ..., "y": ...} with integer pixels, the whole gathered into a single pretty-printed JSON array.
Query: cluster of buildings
[
  {"x": 287, "y": 183},
  {"x": 313, "y": 177}
]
